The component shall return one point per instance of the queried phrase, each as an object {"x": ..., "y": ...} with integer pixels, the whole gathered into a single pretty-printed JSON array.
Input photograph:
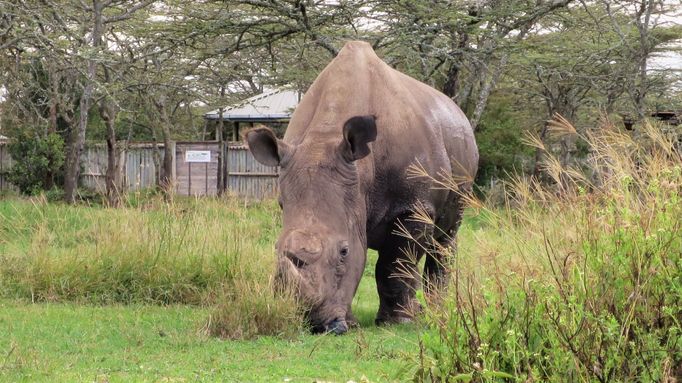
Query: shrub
[
  {"x": 580, "y": 280},
  {"x": 37, "y": 161},
  {"x": 499, "y": 138}
]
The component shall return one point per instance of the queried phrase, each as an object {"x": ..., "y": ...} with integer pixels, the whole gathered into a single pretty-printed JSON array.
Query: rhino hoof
[
  {"x": 383, "y": 321},
  {"x": 337, "y": 327}
]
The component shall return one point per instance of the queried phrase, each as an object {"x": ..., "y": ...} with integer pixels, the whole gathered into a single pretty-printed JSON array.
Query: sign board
[{"x": 198, "y": 156}]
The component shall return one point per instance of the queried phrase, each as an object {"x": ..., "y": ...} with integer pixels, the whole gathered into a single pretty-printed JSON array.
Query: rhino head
[{"x": 321, "y": 250}]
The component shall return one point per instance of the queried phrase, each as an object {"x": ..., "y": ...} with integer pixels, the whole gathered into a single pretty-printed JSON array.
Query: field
[
  {"x": 72, "y": 343},
  {"x": 157, "y": 332},
  {"x": 576, "y": 279}
]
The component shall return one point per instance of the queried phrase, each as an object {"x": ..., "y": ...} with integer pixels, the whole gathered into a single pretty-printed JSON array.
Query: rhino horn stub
[{"x": 302, "y": 248}]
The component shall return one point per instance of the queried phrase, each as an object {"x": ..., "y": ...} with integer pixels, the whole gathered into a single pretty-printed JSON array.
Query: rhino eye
[{"x": 344, "y": 251}]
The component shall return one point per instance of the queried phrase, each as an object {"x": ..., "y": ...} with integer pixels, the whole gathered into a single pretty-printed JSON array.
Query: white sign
[{"x": 198, "y": 156}]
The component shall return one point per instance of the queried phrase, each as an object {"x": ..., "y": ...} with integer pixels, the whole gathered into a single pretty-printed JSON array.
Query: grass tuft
[{"x": 254, "y": 309}]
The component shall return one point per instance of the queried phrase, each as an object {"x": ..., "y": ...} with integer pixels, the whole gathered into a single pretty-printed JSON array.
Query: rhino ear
[
  {"x": 358, "y": 132},
  {"x": 265, "y": 147}
]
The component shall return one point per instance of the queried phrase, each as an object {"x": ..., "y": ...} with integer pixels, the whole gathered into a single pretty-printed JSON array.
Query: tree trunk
[
  {"x": 108, "y": 113},
  {"x": 538, "y": 151},
  {"x": 54, "y": 94},
  {"x": 77, "y": 139},
  {"x": 451, "y": 83},
  {"x": 487, "y": 87},
  {"x": 76, "y": 143},
  {"x": 166, "y": 179},
  {"x": 221, "y": 143}
]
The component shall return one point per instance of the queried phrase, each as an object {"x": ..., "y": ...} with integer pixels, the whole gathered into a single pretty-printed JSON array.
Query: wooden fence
[
  {"x": 200, "y": 168},
  {"x": 137, "y": 165},
  {"x": 247, "y": 177},
  {"x": 197, "y": 167}
]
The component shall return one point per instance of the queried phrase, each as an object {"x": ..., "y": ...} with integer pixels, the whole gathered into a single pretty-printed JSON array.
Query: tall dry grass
[
  {"x": 578, "y": 279},
  {"x": 212, "y": 252}
]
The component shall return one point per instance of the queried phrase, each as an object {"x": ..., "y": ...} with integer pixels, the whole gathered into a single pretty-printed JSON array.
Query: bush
[
  {"x": 576, "y": 281},
  {"x": 499, "y": 138},
  {"x": 37, "y": 161}
]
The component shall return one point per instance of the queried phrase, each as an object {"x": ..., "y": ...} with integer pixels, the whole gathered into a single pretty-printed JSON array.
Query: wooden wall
[{"x": 137, "y": 164}]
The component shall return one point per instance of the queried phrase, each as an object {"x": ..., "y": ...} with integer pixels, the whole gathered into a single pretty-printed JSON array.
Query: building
[{"x": 273, "y": 108}]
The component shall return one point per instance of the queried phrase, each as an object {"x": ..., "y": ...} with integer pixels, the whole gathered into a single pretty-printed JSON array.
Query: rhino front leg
[{"x": 397, "y": 276}]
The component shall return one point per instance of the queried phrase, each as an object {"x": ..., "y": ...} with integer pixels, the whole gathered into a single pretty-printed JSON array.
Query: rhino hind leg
[
  {"x": 444, "y": 244},
  {"x": 397, "y": 276}
]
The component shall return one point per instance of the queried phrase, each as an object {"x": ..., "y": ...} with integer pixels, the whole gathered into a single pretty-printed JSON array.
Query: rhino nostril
[
  {"x": 296, "y": 261},
  {"x": 337, "y": 327}
]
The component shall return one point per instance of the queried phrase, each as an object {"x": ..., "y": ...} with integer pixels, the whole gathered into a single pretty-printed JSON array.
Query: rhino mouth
[
  {"x": 337, "y": 326},
  {"x": 292, "y": 277}
]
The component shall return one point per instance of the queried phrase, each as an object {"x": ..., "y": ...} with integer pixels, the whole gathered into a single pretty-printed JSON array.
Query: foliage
[
  {"x": 581, "y": 281},
  {"x": 500, "y": 145},
  {"x": 37, "y": 161},
  {"x": 157, "y": 65}
]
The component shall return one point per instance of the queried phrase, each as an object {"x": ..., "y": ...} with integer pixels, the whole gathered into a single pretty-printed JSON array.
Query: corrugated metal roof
[{"x": 274, "y": 105}]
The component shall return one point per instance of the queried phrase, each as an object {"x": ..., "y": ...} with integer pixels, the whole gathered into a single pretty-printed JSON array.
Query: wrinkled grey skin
[{"x": 344, "y": 185}]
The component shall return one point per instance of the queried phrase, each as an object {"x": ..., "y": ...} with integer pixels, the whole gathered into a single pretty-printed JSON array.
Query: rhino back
[{"x": 415, "y": 125}]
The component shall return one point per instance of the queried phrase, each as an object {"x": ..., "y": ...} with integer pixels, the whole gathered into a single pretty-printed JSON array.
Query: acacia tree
[
  {"x": 93, "y": 19},
  {"x": 581, "y": 63},
  {"x": 642, "y": 33},
  {"x": 461, "y": 47},
  {"x": 40, "y": 82}
]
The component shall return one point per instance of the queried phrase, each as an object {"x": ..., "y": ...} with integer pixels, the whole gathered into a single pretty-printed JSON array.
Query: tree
[{"x": 461, "y": 47}]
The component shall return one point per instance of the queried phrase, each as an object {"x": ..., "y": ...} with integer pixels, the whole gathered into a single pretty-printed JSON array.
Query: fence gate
[{"x": 196, "y": 170}]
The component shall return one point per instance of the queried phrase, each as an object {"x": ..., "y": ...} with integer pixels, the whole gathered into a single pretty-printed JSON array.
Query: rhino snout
[
  {"x": 337, "y": 327},
  {"x": 301, "y": 248}
]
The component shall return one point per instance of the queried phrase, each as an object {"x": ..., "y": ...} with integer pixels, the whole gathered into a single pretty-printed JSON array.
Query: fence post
[
  {"x": 175, "y": 163},
  {"x": 226, "y": 166}
]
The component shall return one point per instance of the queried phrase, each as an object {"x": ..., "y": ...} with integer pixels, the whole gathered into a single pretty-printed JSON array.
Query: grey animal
[{"x": 344, "y": 185}]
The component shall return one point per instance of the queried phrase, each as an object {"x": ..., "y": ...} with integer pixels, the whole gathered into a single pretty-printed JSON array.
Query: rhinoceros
[{"x": 345, "y": 187}]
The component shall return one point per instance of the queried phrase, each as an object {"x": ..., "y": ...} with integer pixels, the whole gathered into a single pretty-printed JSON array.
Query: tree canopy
[{"x": 148, "y": 69}]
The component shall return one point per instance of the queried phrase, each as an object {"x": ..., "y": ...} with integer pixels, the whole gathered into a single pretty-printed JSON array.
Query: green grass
[
  {"x": 124, "y": 344},
  {"x": 68, "y": 342},
  {"x": 154, "y": 253},
  {"x": 94, "y": 294},
  {"x": 575, "y": 280}
]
